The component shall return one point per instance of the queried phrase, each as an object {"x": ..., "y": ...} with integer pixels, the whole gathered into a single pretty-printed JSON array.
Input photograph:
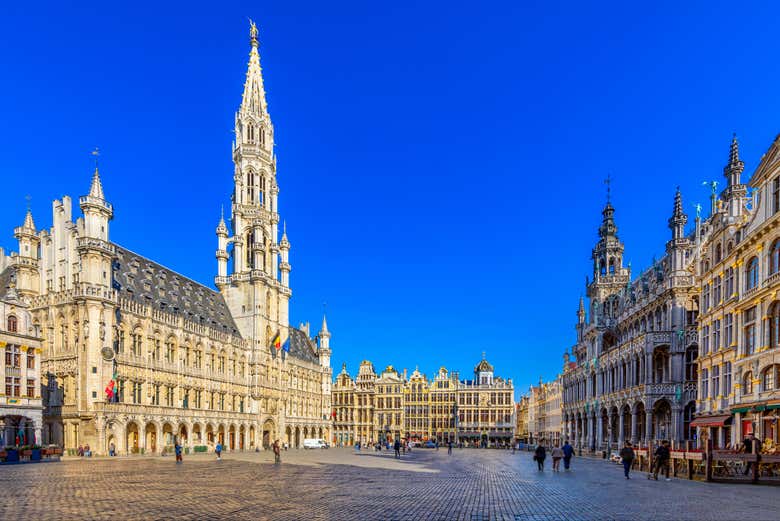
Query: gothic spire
[
  {"x": 96, "y": 189},
  {"x": 29, "y": 224},
  {"x": 733, "y": 170},
  {"x": 254, "y": 92},
  {"x": 678, "y": 219},
  {"x": 324, "y": 328}
]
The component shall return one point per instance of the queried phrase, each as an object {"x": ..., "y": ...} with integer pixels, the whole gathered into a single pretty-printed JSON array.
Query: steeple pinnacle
[
  {"x": 324, "y": 328},
  {"x": 29, "y": 224},
  {"x": 733, "y": 170},
  {"x": 678, "y": 219},
  {"x": 222, "y": 227},
  {"x": 254, "y": 91},
  {"x": 96, "y": 189}
]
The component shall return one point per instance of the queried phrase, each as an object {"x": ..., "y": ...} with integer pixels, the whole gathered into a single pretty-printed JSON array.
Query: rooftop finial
[
  {"x": 96, "y": 154},
  {"x": 253, "y": 33},
  {"x": 608, "y": 182},
  {"x": 483, "y": 355}
]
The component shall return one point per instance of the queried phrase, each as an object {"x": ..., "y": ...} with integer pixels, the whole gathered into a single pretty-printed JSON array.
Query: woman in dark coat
[{"x": 539, "y": 455}]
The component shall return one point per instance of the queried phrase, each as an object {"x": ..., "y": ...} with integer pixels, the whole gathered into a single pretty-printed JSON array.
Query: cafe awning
[{"x": 711, "y": 421}]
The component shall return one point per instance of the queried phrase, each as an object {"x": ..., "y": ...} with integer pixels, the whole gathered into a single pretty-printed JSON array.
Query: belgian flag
[{"x": 277, "y": 341}]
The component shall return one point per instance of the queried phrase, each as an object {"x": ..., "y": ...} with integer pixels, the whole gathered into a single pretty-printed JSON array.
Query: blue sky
[{"x": 440, "y": 165}]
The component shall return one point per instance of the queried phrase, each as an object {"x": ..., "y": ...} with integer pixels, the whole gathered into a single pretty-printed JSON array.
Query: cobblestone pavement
[{"x": 473, "y": 485}]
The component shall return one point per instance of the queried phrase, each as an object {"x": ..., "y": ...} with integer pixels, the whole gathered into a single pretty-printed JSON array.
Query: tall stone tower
[{"x": 249, "y": 276}]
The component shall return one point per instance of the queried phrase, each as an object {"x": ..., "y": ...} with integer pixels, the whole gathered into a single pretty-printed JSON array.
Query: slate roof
[
  {"x": 6, "y": 276},
  {"x": 302, "y": 347},
  {"x": 148, "y": 283}
]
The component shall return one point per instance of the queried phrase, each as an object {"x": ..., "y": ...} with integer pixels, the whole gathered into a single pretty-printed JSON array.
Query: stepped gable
[
  {"x": 148, "y": 283},
  {"x": 302, "y": 347}
]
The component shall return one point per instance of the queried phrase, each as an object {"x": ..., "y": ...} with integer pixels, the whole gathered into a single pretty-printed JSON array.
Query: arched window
[
  {"x": 774, "y": 325},
  {"x": 250, "y": 239},
  {"x": 250, "y": 187},
  {"x": 718, "y": 253},
  {"x": 691, "y": 372},
  {"x": 774, "y": 257},
  {"x": 611, "y": 265},
  {"x": 729, "y": 247},
  {"x": 747, "y": 383},
  {"x": 776, "y": 195},
  {"x": 12, "y": 324},
  {"x": 751, "y": 274},
  {"x": 769, "y": 380},
  {"x": 262, "y": 189}
]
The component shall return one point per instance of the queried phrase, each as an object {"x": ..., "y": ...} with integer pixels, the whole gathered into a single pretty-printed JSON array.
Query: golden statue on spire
[{"x": 252, "y": 30}]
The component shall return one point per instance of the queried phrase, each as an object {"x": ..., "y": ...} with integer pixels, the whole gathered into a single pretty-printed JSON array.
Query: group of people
[
  {"x": 84, "y": 451},
  {"x": 558, "y": 453}
]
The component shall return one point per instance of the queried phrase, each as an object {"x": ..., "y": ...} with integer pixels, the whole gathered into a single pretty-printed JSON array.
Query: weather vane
[
  {"x": 27, "y": 198},
  {"x": 96, "y": 154},
  {"x": 608, "y": 182}
]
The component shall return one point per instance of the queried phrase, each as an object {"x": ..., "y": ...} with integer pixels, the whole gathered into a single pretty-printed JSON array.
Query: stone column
[
  {"x": 101, "y": 436},
  {"x": 599, "y": 432},
  {"x": 634, "y": 436},
  {"x": 648, "y": 426},
  {"x": 621, "y": 429},
  {"x": 676, "y": 423}
]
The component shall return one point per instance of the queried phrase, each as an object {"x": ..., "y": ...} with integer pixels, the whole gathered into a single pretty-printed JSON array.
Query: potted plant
[
  {"x": 11, "y": 454},
  {"x": 35, "y": 453},
  {"x": 26, "y": 451}
]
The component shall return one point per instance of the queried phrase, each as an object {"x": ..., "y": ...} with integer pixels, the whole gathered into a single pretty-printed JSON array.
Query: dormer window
[{"x": 12, "y": 324}]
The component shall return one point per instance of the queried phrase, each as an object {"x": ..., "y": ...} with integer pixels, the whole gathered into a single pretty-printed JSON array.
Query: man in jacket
[
  {"x": 661, "y": 460},
  {"x": 568, "y": 452},
  {"x": 627, "y": 457}
]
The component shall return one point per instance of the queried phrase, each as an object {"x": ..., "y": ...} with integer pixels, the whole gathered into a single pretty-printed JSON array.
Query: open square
[{"x": 469, "y": 485}]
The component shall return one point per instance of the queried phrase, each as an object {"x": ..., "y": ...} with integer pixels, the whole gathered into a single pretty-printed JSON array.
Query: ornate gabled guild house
[
  {"x": 633, "y": 373},
  {"x": 739, "y": 359},
  {"x": 21, "y": 412},
  {"x": 135, "y": 353},
  {"x": 395, "y": 406}
]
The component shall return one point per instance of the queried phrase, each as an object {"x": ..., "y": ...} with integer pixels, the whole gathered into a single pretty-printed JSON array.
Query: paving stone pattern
[{"x": 337, "y": 484}]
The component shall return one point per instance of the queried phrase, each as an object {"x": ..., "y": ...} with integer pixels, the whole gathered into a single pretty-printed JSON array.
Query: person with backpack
[{"x": 627, "y": 457}]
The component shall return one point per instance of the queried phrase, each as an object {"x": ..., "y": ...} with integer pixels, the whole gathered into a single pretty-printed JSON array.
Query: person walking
[
  {"x": 747, "y": 447},
  {"x": 627, "y": 456},
  {"x": 449, "y": 448},
  {"x": 539, "y": 455},
  {"x": 661, "y": 461},
  {"x": 111, "y": 449},
  {"x": 218, "y": 450},
  {"x": 177, "y": 450},
  {"x": 568, "y": 452},
  {"x": 557, "y": 455},
  {"x": 397, "y": 448},
  {"x": 277, "y": 453}
]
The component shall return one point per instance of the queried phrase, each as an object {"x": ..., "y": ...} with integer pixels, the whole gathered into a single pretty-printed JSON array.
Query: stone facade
[
  {"x": 632, "y": 375},
  {"x": 392, "y": 406},
  {"x": 137, "y": 353},
  {"x": 739, "y": 359},
  {"x": 21, "y": 407},
  {"x": 545, "y": 402},
  {"x": 522, "y": 416}
]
